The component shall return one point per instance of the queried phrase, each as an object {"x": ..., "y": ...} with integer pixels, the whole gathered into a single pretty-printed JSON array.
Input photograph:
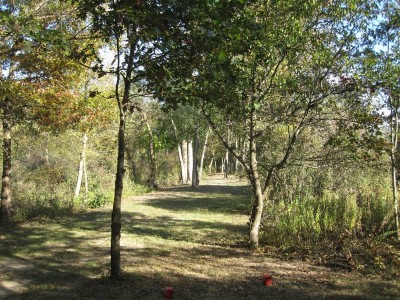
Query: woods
[{"x": 299, "y": 99}]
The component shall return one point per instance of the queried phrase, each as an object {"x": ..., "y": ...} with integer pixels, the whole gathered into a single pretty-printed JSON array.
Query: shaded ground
[{"x": 189, "y": 239}]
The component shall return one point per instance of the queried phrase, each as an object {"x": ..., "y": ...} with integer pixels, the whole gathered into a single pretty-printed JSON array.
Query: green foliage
[
  {"x": 96, "y": 199},
  {"x": 45, "y": 170},
  {"x": 311, "y": 217}
]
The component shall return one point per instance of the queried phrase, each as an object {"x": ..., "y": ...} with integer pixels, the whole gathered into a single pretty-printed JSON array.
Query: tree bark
[
  {"x": 180, "y": 155},
  {"x": 85, "y": 177},
  {"x": 116, "y": 212},
  {"x": 195, "y": 174},
  {"x": 226, "y": 169},
  {"x": 190, "y": 160},
  {"x": 203, "y": 154},
  {"x": 211, "y": 165},
  {"x": 115, "y": 250},
  {"x": 236, "y": 160},
  {"x": 81, "y": 169},
  {"x": 184, "y": 165},
  {"x": 6, "y": 177},
  {"x": 394, "y": 128},
  {"x": 258, "y": 205},
  {"x": 152, "y": 155}
]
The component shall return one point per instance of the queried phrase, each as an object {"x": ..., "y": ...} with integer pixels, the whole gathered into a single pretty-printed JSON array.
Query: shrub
[{"x": 96, "y": 199}]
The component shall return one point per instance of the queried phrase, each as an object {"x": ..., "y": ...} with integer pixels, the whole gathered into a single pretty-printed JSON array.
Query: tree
[
  {"x": 36, "y": 41},
  {"x": 269, "y": 69},
  {"x": 133, "y": 31},
  {"x": 380, "y": 66}
]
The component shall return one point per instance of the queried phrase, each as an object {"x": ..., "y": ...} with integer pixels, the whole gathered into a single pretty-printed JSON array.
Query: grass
[{"x": 193, "y": 240}]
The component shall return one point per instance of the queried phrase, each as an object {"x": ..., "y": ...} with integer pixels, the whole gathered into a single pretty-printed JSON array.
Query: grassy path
[{"x": 189, "y": 239}]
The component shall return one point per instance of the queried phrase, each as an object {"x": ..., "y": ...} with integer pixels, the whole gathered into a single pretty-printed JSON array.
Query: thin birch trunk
[
  {"x": 81, "y": 169},
  {"x": 195, "y": 181},
  {"x": 190, "y": 161},
  {"x": 227, "y": 167},
  {"x": 226, "y": 163},
  {"x": 184, "y": 162},
  {"x": 211, "y": 165},
  {"x": 236, "y": 160},
  {"x": 394, "y": 139},
  {"x": 152, "y": 155},
  {"x": 203, "y": 154},
  {"x": 180, "y": 154},
  {"x": 181, "y": 163},
  {"x": 85, "y": 174}
]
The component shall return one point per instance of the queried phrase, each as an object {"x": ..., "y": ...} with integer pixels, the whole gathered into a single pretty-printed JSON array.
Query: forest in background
[{"x": 300, "y": 98}]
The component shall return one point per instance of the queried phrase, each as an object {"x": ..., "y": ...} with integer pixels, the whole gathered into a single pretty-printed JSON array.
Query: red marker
[
  {"x": 169, "y": 292},
  {"x": 267, "y": 280}
]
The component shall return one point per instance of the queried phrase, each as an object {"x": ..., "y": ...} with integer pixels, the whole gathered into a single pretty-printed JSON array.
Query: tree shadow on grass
[
  {"x": 65, "y": 259},
  {"x": 235, "y": 190},
  {"x": 194, "y": 231},
  {"x": 192, "y": 283},
  {"x": 55, "y": 259},
  {"x": 223, "y": 205}
]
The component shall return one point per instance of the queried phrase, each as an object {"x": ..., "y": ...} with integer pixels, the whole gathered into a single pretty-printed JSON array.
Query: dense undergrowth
[
  {"x": 45, "y": 171},
  {"x": 350, "y": 231}
]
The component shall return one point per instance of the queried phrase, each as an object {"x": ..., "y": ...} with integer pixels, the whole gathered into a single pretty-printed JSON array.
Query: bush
[{"x": 96, "y": 199}]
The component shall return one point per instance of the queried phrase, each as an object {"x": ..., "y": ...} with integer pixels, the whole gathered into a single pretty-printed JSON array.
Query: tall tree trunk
[
  {"x": 116, "y": 212},
  {"x": 226, "y": 163},
  {"x": 203, "y": 154},
  {"x": 6, "y": 178},
  {"x": 85, "y": 177},
  {"x": 180, "y": 155},
  {"x": 190, "y": 160},
  {"x": 211, "y": 165},
  {"x": 184, "y": 162},
  {"x": 227, "y": 167},
  {"x": 152, "y": 155},
  {"x": 237, "y": 142},
  {"x": 81, "y": 169},
  {"x": 115, "y": 250},
  {"x": 195, "y": 174},
  {"x": 183, "y": 174},
  {"x": 258, "y": 205},
  {"x": 394, "y": 129}
]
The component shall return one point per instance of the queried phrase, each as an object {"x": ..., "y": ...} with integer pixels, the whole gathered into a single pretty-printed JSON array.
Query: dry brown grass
[{"x": 192, "y": 240}]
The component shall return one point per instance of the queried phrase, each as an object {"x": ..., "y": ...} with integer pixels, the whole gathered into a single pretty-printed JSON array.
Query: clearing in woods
[{"x": 192, "y": 240}]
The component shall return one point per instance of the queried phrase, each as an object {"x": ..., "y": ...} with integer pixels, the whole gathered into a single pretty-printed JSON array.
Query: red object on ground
[
  {"x": 169, "y": 292},
  {"x": 267, "y": 280}
]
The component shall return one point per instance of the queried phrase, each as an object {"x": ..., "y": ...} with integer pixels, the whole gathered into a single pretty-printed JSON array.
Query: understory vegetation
[{"x": 46, "y": 171}]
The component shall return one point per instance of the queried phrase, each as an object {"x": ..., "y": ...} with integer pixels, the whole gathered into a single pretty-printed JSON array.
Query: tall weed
[{"x": 330, "y": 216}]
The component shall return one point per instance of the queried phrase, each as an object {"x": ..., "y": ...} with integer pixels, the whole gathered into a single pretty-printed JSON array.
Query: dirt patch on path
[{"x": 192, "y": 240}]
